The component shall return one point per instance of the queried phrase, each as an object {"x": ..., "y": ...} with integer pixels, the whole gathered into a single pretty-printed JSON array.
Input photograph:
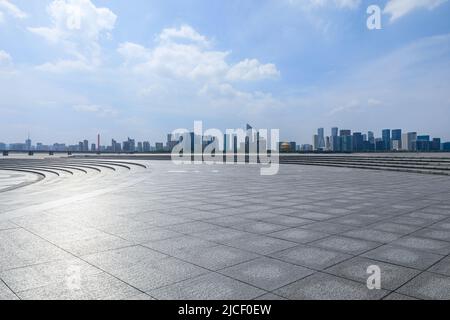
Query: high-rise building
[
  {"x": 423, "y": 143},
  {"x": 397, "y": 139},
  {"x": 436, "y": 144},
  {"x": 409, "y": 141},
  {"x": 316, "y": 142},
  {"x": 321, "y": 142},
  {"x": 334, "y": 131},
  {"x": 371, "y": 137},
  {"x": 85, "y": 146},
  {"x": 358, "y": 142},
  {"x": 140, "y": 148},
  {"x": 386, "y": 136},
  {"x": 28, "y": 143},
  {"x": 159, "y": 146},
  {"x": 346, "y": 140},
  {"x": 146, "y": 146},
  {"x": 93, "y": 147}
]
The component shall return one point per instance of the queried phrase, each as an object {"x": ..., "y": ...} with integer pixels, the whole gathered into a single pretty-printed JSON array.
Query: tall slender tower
[{"x": 98, "y": 142}]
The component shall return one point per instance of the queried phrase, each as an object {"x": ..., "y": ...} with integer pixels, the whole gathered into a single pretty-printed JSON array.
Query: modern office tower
[
  {"x": 409, "y": 141},
  {"x": 293, "y": 146},
  {"x": 159, "y": 146},
  {"x": 397, "y": 136},
  {"x": 346, "y": 141},
  {"x": 446, "y": 146},
  {"x": 28, "y": 143},
  {"x": 140, "y": 148},
  {"x": 321, "y": 142},
  {"x": 129, "y": 145},
  {"x": 327, "y": 143},
  {"x": 335, "y": 142},
  {"x": 93, "y": 147},
  {"x": 358, "y": 142},
  {"x": 316, "y": 142},
  {"x": 2, "y": 146},
  {"x": 364, "y": 137},
  {"x": 334, "y": 131},
  {"x": 171, "y": 142},
  {"x": 85, "y": 145},
  {"x": 146, "y": 146},
  {"x": 371, "y": 137},
  {"x": 386, "y": 136},
  {"x": 396, "y": 145},
  {"x": 423, "y": 143},
  {"x": 80, "y": 146},
  {"x": 380, "y": 144},
  {"x": 59, "y": 147},
  {"x": 436, "y": 144},
  {"x": 306, "y": 148}
]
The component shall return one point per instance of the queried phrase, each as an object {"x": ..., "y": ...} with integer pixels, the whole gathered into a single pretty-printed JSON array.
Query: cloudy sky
[{"x": 72, "y": 68}]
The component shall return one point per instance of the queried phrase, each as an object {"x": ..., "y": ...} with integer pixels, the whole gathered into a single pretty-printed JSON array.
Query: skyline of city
[{"x": 339, "y": 140}]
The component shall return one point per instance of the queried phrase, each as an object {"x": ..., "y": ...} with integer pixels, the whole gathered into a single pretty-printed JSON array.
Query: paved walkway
[{"x": 225, "y": 232}]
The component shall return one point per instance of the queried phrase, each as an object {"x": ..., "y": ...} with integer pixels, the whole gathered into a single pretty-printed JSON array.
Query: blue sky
[{"x": 72, "y": 68}]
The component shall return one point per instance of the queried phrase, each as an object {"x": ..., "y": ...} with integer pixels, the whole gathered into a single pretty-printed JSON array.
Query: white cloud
[
  {"x": 399, "y": 8},
  {"x": 252, "y": 70},
  {"x": 133, "y": 52},
  {"x": 12, "y": 9},
  {"x": 77, "y": 25},
  {"x": 63, "y": 66},
  {"x": 172, "y": 57},
  {"x": 102, "y": 111},
  {"x": 2, "y": 17},
  {"x": 5, "y": 59},
  {"x": 185, "y": 32}
]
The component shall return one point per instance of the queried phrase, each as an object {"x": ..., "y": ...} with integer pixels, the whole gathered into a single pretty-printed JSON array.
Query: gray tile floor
[{"x": 225, "y": 232}]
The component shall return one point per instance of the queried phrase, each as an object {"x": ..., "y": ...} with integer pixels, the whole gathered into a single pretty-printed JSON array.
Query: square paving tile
[
  {"x": 404, "y": 256},
  {"x": 311, "y": 257},
  {"x": 212, "y": 286},
  {"x": 215, "y": 258},
  {"x": 428, "y": 286},
  {"x": 372, "y": 235},
  {"x": 427, "y": 245},
  {"x": 266, "y": 273},
  {"x": 260, "y": 244},
  {"x": 346, "y": 245},
  {"x": 442, "y": 267},
  {"x": 321, "y": 286},
  {"x": 299, "y": 235},
  {"x": 94, "y": 287},
  {"x": 392, "y": 276}
]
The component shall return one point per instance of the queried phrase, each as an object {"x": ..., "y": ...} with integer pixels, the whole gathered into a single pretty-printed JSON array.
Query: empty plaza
[{"x": 143, "y": 229}]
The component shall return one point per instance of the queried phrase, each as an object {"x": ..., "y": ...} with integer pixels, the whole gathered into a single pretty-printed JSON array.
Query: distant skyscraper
[
  {"x": 321, "y": 142},
  {"x": 316, "y": 142},
  {"x": 85, "y": 145},
  {"x": 334, "y": 131},
  {"x": 409, "y": 141},
  {"x": 370, "y": 137},
  {"x": 346, "y": 140},
  {"x": 146, "y": 146},
  {"x": 436, "y": 144},
  {"x": 358, "y": 142},
  {"x": 386, "y": 136},
  {"x": 28, "y": 143},
  {"x": 397, "y": 139}
]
